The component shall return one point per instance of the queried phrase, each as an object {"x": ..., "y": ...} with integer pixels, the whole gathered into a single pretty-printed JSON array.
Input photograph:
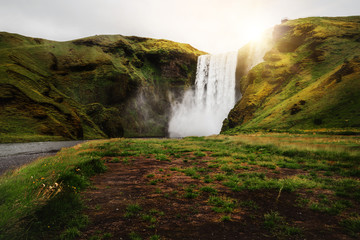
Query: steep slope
[
  {"x": 101, "y": 86},
  {"x": 309, "y": 80}
]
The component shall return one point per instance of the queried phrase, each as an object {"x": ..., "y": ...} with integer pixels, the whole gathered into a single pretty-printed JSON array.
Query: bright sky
[{"x": 209, "y": 25}]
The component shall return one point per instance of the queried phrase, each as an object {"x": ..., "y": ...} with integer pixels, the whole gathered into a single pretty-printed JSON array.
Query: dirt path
[{"x": 148, "y": 199}]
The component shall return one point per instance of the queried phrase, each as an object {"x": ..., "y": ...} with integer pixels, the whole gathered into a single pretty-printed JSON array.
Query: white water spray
[{"x": 202, "y": 111}]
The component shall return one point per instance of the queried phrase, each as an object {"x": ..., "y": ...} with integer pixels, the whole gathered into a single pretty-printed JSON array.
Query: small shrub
[
  {"x": 126, "y": 154},
  {"x": 190, "y": 193},
  {"x": 208, "y": 189},
  {"x": 268, "y": 165},
  {"x": 208, "y": 179},
  {"x": 277, "y": 225},
  {"x": 219, "y": 177},
  {"x": 291, "y": 231},
  {"x": 115, "y": 160},
  {"x": 155, "y": 237},
  {"x": 192, "y": 172},
  {"x": 162, "y": 157},
  {"x": 272, "y": 220},
  {"x": 132, "y": 210},
  {"x": 226, "y": 168},
  {"x": 225, "y": 218},
  {"x": 107, "y": 235},
  {"x": 302, "y": 202},
  {"x": 199, "y": 154},
  {"x": 70, "y": 233},
  {"x": 134, "y": 236},
  {"x": 222, "y": 203},
  {"x": 348, "y": 188},
  {"x": 216, "y": 165},
  {"x": 149, "y": 218},
  {"x": 154, "y": 211},
  {"x": 352, "y": 225},
  {"x": 153, "y": 182}
]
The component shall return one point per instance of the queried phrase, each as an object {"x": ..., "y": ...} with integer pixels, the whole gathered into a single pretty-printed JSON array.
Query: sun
[{"x": 254, "y": 30}]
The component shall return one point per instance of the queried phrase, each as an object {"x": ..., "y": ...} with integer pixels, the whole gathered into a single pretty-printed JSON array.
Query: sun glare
[{"x": 254, "y": 31}]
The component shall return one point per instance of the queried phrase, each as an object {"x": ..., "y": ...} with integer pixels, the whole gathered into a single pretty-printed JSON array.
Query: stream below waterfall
[{"x": 14, "y": 155}]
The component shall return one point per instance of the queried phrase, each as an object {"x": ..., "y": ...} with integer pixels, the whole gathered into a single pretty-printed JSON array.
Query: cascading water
[{"x": 202, "y": 110}]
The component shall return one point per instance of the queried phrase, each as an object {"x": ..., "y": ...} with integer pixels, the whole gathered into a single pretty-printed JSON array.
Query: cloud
[{"x": 210, "y": 25}]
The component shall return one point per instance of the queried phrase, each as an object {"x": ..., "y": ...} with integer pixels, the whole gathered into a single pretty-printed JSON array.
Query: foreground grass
[
  {"x": 41, "y": 200},
  {"x": 321, "y": 173}
]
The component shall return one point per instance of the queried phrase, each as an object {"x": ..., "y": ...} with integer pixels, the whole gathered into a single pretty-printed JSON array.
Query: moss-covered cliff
[
  {"x": 101, "y": 86},
  {"x": 309, "y": 80}
]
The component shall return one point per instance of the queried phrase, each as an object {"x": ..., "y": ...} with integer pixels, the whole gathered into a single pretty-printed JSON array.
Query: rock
[{"x": 295, "y": 109}]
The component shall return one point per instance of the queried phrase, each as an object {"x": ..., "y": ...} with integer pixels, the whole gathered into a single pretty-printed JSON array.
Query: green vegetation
[
  {"x": 190, "y": 193},
  {"x": 278, "y": 226},
  {"x": 225, "y": 218},
  {"x": 222, "y": 204},
  {"x": 295, "y": 165},
  {"x": 44, "y": 197},
  {"x": 352, "y": 225},
  {"x": 95, "y": 87},
  {"x": 316, "y": 175},
  {"x": 113, "y": 86},
  {"x": 135, "y": 236},
  {"x": 132, "y": 210},
  {"x": 309, "y": 80}
]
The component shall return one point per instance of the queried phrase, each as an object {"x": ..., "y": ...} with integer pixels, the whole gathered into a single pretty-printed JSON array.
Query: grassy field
[{"x": 249, "y": 186}]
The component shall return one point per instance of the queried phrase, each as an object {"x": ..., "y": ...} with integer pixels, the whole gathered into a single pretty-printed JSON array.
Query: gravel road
[{"x": 13, "y": 155}]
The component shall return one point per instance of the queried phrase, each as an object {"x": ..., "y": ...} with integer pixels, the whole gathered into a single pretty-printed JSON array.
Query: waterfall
[{"x": 203, "y": 110}]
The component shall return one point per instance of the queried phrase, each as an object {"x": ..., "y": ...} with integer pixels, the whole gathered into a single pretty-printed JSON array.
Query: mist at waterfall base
[{"x": 204, "y": 107}]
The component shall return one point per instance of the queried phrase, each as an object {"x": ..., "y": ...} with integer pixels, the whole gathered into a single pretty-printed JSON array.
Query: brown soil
[{"x": 184, "y": 218}]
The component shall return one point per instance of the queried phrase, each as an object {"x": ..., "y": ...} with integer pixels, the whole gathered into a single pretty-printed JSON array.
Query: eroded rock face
[
  {"x": 46, "y": 118},
  {"x": 290, "y": 39},
  {"x": 108, "y": 119},
  {"x": 107, "y": 85},
  {"x": 280, "y": 31}
]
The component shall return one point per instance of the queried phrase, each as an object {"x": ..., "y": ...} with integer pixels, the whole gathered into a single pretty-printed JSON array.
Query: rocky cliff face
[
  {"x": 102, "y": 86},
  {"x": 309, "y": 80}
]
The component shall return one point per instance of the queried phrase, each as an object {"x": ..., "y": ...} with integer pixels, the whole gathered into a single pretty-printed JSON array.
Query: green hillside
[
  {"x": 309, "y": 80},
  {"x": 96, "y": 87}
]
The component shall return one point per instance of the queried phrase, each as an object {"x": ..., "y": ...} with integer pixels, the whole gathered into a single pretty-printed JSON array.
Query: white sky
[{"x": 209, "y": 25}]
